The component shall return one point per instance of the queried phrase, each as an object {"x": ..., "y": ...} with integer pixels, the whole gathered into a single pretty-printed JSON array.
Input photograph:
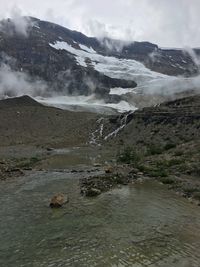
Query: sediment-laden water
[{"x": 136, "y": 225}]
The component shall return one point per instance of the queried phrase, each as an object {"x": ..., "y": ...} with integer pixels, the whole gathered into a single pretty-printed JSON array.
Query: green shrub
[
  {"x": 173, "y": 162},
  {"x": 190, "y": 190},
  {"x": 153, "y": 171},
  {"x": 27, "y": 162},
  {"x": 169, "y": 163},
  {"x": 167, "y": 180},
  {"x": 142, "y": 168},
  {"x": 158, "y": 173},
  {"x": 154, "y": 150},
  {"x": 129, "y": 155},
  {"x": 34, "y": 160},
  {"x": 169, "y": 146},
  {"x": 178, "y": 153}
]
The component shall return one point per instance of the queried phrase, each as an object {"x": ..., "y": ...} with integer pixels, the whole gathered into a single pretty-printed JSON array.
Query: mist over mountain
[{"x": 45, "y": 60}]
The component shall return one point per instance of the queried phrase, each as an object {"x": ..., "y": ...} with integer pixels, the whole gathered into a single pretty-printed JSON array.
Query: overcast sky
[{"x": 170, "y": 23}]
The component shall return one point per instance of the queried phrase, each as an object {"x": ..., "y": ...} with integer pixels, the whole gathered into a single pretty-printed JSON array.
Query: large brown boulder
[{"x": 58, "y": 201}]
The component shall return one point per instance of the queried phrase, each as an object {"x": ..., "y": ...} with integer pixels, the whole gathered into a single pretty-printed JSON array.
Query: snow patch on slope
[
  {"x": 148, "y": 82},
  {"x": 60, "y": 45},
  {"x": 113, "y": 67},
  {"x": 121, "y": 91},
  {"x": 87, "y": 49},
  {"x": 85, "y": 102}
]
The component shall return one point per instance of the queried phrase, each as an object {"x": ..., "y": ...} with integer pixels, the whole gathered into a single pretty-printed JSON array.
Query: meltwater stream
[{"x": 136, "y": 225}]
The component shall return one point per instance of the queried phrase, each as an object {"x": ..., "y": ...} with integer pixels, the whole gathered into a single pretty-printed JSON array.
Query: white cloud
[
  {"x": 165, "y": 22},
  {"x": 20, "y": 24},
  {"x": 16, "y": 83}
]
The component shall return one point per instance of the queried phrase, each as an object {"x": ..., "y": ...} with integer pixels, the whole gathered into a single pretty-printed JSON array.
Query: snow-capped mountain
[{"x": 57, "y": 66}]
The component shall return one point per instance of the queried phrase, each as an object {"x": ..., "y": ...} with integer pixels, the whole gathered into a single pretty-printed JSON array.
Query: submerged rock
[
  {"x": 58, "y": 201},
  {"x": 92, "y": 192},
  {"x": 49, "y": 149}
]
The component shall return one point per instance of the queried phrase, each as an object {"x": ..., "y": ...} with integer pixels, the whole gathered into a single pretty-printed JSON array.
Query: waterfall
[
  {"x": 97, "y": 134},
  {"x": 123, "y": 123}
]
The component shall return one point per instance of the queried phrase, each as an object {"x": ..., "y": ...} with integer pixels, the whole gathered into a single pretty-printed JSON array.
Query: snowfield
[
  {"x": 148, "y": 81},
  {"x": 111, "y": 66},
  {"x": 85, "y": 103}
]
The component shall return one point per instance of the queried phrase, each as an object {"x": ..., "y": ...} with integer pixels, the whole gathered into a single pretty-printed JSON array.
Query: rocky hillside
[
  {"x": 173, "y": 122},
  {"x": 24, "y": 121}
]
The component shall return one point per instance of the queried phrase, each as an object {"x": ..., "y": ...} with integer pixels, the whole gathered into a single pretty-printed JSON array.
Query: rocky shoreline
[
  {"x": 122, "y": 175},
  {"x": 172, "y": 168},
  {"x": 160, "y": 143},
  {"x": 8, "y": 170}
]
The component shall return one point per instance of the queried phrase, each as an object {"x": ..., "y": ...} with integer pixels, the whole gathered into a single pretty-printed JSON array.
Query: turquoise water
[{"x": 137, "y": 225}]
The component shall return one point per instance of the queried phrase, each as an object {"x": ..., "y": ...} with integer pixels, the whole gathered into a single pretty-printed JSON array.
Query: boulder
[
  {"x": 96, "y": 165},
  {"x": 109, "y": 169},
  {"x": 92, "y": 192},
  {"x": 58, "y": 201},
  {"x": 49, "y": 149}
]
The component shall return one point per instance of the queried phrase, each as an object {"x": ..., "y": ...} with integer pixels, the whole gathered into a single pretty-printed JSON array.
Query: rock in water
[
  {"x": 92, "y": 192},
  {"x": 58, "y": 201}
]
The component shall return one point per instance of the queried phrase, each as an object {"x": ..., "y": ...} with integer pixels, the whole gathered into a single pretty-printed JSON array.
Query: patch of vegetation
[
  {"x": 153, "y": 171},
  {"x": 26, "y": 163},
  {"x": 142, "y": 168},
  {"x": 154, "y": 150},
  {"x": 169, "y": 163},
  {"x": 178, "y": 153},
  {"x": 167, "y": 180},
  {"x": 128, "y": 156},
  {"x": 189, "y": 190},
  {"x": 158, "y": 172},
  {"x": 169, "y": 146},
  {"x": 195, "y": 170}
]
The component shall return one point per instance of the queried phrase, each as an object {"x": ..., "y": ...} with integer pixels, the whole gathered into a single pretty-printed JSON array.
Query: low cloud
[
  {"x": 164, "y": 22},
  {"x": 16, "y": 83},
  {"x": 17, "y": 23},
  {"x": 193, "y": 55},
  {"x": 113, "y": 45},
  {"x": 170, "y": 86},
  {"x": 155, "y": 56},
  {"x": 101, "y": 30}
]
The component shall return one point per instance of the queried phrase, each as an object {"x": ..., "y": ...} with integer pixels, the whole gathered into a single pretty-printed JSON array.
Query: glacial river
[{"x": 137, "y": 225}]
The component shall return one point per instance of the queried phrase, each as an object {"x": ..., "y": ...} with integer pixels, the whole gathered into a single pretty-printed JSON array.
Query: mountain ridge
[{"x": 65, "y": 62}]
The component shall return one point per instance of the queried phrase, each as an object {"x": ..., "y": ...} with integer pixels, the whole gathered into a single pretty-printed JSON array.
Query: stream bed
[{"x": 136, "y": 225}]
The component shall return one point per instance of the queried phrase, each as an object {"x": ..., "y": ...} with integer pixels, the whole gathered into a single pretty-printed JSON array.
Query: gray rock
[{"x": 92, "y": 192}]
